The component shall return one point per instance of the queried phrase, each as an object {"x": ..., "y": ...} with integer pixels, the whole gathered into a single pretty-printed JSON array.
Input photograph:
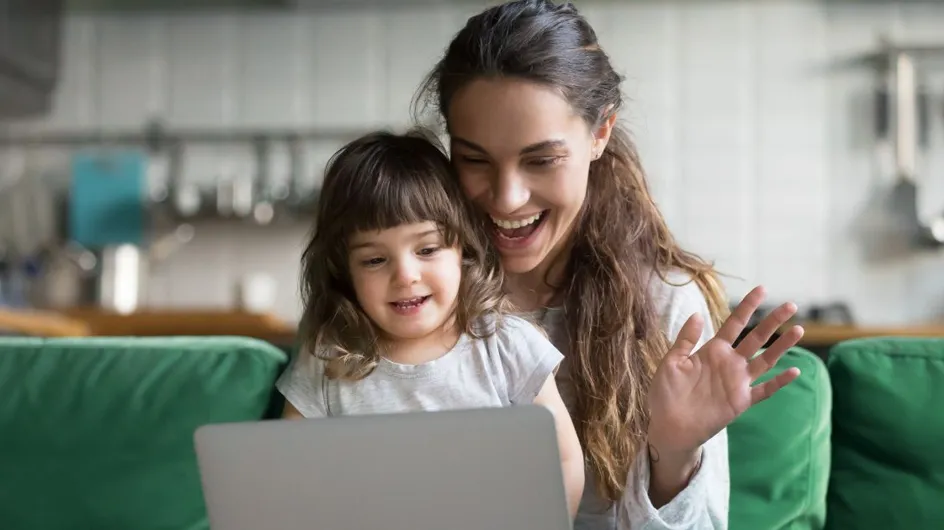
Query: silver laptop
[{"x": 488, "y": 469}]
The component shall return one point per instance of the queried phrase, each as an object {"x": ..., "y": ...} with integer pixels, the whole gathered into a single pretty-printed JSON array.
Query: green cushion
[
  {"x": 888, "y": 434},
  {"x": 98, "y": 433},
  {"x": 779, "y": 452}
]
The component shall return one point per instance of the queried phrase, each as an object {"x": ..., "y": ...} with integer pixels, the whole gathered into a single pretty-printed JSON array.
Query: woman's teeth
[{"x": 503, "y": 223}]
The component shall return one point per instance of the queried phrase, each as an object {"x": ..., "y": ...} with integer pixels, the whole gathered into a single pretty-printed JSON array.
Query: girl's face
[
  {"x": 523, "y": 156},
  {"x": 406, "y": 280}
]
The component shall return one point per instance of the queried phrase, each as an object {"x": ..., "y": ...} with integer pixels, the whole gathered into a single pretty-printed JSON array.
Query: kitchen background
[{"x": 756, "y": 122}]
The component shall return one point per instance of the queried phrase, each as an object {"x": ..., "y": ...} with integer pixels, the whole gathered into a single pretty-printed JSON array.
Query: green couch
[
  {"x": 98, "y": 433},
  {"x": 857, "y": 442},
  {"x": 888, "y": 435},
  {"x": 780, "y": 452}
]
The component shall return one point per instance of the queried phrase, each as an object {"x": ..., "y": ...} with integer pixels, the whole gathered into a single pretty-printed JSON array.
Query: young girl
[{"x": 403, "y": 303}]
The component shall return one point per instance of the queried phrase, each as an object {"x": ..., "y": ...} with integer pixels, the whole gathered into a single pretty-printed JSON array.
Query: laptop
[{"x": 494, "y": 469}]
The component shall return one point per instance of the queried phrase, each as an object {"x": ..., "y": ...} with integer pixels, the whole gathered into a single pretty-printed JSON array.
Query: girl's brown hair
[
  {"x": 376, "y": 182},
  {"x": 620, "y": 239}
]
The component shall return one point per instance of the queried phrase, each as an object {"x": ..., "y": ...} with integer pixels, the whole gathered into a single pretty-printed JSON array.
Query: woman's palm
[{"x": 693, "y": 396}]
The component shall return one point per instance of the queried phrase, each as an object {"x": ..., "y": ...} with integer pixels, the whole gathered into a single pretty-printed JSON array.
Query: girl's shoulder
[
  {"x": 302, "y": 384},
  {"x": 505, "y": 325},
  {"x": 519, "y": 356}
]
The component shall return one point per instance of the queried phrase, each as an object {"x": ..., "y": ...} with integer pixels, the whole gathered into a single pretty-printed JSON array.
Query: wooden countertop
[
  {"x": 163, "y": 323},
  {"x": 826, "y": 334},
  {"x": 35, "y": 323},
  {"x": 78, "y": 322}
]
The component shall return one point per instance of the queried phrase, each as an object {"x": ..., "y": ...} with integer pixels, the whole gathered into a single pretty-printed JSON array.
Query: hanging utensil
[
  {"x": 263, "y": 207},
  {"x": 910, "y": 128}
]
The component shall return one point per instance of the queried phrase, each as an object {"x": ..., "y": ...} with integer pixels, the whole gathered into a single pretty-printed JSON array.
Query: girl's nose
[{"x": 407, "y": 272}]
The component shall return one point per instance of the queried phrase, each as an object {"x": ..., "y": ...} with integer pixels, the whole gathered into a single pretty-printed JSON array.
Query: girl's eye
[
  {"x": 372, "y": 262},
  {"x": 429, "y": 251}
]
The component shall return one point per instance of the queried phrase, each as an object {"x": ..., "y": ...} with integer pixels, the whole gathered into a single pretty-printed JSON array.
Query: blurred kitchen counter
[
  {"x": 35, "y": 323},
  {"x": 188, "y": 322},
  {"x": 818, "y": 337},
  {"x": 829, "y": 334}
]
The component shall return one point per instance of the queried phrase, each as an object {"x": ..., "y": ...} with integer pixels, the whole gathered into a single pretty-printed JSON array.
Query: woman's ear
[{"x": 601, "y": 133}]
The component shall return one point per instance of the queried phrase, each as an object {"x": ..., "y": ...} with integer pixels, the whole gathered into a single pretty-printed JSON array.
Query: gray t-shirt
[{"x": 507, "y": 368}]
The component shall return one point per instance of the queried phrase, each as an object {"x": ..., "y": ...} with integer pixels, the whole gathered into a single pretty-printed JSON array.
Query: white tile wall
[{"x": 757, "y": 138}]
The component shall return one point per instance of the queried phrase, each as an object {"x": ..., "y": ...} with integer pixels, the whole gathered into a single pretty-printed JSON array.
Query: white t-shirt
[{"x": 701, "y": 505}]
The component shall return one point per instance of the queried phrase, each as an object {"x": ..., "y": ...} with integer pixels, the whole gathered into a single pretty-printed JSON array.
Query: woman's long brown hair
[{"x": 620, "y": 241}]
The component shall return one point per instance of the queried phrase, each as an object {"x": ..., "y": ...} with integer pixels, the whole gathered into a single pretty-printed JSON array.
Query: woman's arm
[
  {"x": 701, "y": 504},
  {"x": 674, "y": 491},
  {"x": 669, "y": 473},
  {"x": 572, "y": 463},
  {"x": 695, "y": 393}
]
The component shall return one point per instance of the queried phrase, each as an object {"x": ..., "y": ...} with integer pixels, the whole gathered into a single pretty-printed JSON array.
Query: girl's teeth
[
  {"x": 502, "y": 223},
  {"x": 412, "y": 302}
]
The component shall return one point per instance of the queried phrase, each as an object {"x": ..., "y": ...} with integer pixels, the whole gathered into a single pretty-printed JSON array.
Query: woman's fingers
[
  {"x": 741, "y": 315},
  {"x": 765, "y": 390},
  {"x": 688, "y": 336},
  {"x": 759, "y": 336},
  {"x": 761, "y": 364}
]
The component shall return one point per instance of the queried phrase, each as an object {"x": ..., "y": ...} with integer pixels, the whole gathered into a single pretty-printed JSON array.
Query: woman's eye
[
  {"x": 545, "y": 161},
  {"x": 472, "y": 160}
]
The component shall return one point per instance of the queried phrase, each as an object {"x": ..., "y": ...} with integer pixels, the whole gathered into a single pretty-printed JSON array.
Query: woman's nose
[{"x": 509, "y": 192}]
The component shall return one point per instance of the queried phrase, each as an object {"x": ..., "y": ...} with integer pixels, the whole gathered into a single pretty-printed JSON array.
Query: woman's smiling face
[{"x": 523, "y": 156}]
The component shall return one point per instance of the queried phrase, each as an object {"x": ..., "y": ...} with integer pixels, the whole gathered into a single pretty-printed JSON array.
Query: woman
[{"x": 530, "y": 102}]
